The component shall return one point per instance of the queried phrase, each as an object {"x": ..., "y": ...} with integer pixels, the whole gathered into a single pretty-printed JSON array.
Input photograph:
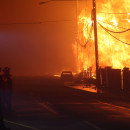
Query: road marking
[
  {"x": 92, "y": 125},
  {"x": 75, "y": 103},
  {"x": 119, "y": 107},
  {"x": 48, "y": 108},
  {"x": 23, "y": 125}
]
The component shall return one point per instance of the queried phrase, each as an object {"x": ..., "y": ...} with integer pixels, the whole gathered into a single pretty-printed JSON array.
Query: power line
[
  {"x": 88, "y": 37},
  {"x": 82, "y": 30},
  {"x": 21, "y": 23},
  {"x": 48, "y": 21},
  {"x": 114, "y": 36},
  {"x": 113, "y": 25},
  {"x": 113, "y": 31},
  {"x": 47, "y": 1},
  {"x": 115, "y": 13},
  {"x": 62, "y": 0},
  {"x": 59, "y": 21}
]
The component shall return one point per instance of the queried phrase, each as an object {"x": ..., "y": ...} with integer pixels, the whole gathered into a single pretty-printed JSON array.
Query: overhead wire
[
  {"x": 87, "y": 38},
  {"x": 53, "y": 21},
  {"x": 112, "y": 24},
  {"x": 64, "y": 20},
  {"x": 113, "y": 35},
  {"x": 82, "y": 30},
  {"x": 114, "y": 31},
  {"x": 114, "y": 13},
  {"x": 21, "y": 23}
]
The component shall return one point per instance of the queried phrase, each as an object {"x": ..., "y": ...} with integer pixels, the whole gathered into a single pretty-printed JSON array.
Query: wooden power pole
[
  {"x": 96, "y": 45},
  {"x": 77, "y": 33}
]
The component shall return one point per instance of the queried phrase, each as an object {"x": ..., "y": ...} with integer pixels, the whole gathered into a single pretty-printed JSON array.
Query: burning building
[{"x": 113, "y": 30}]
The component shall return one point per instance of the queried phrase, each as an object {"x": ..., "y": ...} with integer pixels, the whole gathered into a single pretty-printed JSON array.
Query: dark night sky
[{"x": 37, "y": 49}]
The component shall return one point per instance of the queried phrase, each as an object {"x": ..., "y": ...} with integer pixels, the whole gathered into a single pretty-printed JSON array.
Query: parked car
[{"x": 67, "y": 76}]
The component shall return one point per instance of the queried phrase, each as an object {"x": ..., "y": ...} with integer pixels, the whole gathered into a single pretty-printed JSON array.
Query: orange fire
[{"x": 113, "y": 15}]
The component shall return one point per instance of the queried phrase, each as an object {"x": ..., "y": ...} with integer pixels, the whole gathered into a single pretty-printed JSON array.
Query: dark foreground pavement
[{"x": 44, "y": 103}]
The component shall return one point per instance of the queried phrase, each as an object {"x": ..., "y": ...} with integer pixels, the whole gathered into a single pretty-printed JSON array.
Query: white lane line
[
  {"x": 92, "y": 125},
  {"x": 23, "y": 125},
  {"x": 48, "y": 108},
  {"x": 119, "y": 107},
  {"x": 76, "y": 103}
]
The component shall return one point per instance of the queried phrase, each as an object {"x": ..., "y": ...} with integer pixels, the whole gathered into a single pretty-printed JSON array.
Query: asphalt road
[{"x": 44, "y": 103}]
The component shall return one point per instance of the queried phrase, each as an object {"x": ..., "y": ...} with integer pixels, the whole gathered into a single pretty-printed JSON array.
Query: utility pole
[
  {"x": 96, "y": 45},
  {"x": 77, "y": 32}
]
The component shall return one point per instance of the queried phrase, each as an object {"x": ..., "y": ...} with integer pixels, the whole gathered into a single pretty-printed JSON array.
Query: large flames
[{"x": 113, "y": 15}]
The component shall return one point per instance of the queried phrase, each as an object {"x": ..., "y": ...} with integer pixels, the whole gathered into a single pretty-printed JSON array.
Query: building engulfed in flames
[{"x": 114, "y": 51}]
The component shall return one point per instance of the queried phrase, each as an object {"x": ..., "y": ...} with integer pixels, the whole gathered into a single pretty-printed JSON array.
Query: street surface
[{"x": 45, "y": 103}]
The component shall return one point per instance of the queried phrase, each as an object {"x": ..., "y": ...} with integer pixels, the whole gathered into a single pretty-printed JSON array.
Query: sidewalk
[
  {"x": 103, "y": 95},
  {"x": 83, "y": 87}
]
